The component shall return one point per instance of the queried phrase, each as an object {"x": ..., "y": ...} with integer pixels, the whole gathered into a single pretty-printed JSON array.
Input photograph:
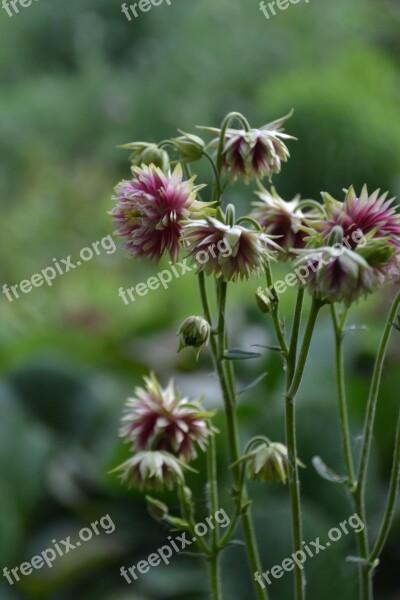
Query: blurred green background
[{"x": 76, "y": 80}]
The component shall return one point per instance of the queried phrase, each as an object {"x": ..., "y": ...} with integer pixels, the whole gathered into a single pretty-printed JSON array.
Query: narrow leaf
[
  {"x": 253, "y": 384},
  {"x": 238, "y": 354},
  {"x": 325, "y": 472}
]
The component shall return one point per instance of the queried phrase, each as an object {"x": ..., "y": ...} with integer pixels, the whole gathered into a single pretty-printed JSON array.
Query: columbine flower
[
  {"x": 367, "y": 214},
  {"x": 255, "y": 153},
  {"x": 343, "y": 275},
  {"x": 268, "y": 462},
  {"x": 244, "y": 253},
  {"x": 159, "y": 419},
  {"x": 151, "y": 208},
  {"x": 151, "y": 470},
  {"x": 194, "y": 333},
  {"x": 281, "y": 219}
]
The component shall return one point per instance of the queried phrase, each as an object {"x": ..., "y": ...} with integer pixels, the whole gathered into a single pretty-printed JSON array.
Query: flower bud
[
  {"x": 153, "y": 155},
  {"x": 147, "y": 154},
  {"x": 264, "y": 302},
  {"x": 157, "y": 509},
  {"x": 268, "y": 462},
  {"x": 189, "y": 146},
  {"x": 194, "y": 332}
]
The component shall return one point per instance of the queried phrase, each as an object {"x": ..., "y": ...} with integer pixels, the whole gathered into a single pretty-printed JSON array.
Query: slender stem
[
  {"x": 342, "y": 400},
  {"x": 362, "y": 535},
  {"x": 367, "y": 568},
  {"x": 292, "y": 357},
  {"x": 293, "y": 385},
  {"x": 214, "y": 556},
  {"x": 187, "y": 511},
  {"x": 217, "y": 183},
  {"x": 275, "y": 315},
  {"x": 224, "y": 127},
  {"x": 301, "y": 363},
  {"x": 238, "y": 510},
  {"x": 391, "y": 502},
  {"x": 365, "y": 573},
  {"x": 217, "y": 348},
  {"x": 216, "y": 592},
  {"x": 373, "y": 396}
]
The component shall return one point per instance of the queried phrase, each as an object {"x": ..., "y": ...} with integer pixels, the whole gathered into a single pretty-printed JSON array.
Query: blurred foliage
[{"x": 76, "y": 80}]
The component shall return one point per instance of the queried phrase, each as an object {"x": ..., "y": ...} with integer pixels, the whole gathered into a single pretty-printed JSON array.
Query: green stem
[
  {"x": 391, "y": 502},
  {"x": 373, "y": 396},
  {"x": 187, "y": 511},
  {"x": 217, "y": 183},
  {"x": 214, "y": 555},
  {"x": 292, "y": 356},
  {"x": 367, "y": 567},
  {"x": 362, "y": 536},
  {"x": 293, "y": 385},
  {"x": 342, "y": 400},
  {"x": 275, "y": 315},
  {"x": 217, "y": 348}
]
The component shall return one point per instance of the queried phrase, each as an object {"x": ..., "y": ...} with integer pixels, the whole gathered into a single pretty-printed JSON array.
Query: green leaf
[
  {"x": 238, "y": 354},
  {"x": 253, "y": 384},
  {"x": 274, "y": 348},
  {"x": 325, "y": 472},
  {"x": 180, "y": 524}
]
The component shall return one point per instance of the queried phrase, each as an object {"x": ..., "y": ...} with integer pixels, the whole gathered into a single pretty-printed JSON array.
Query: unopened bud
[
  {"x": 189, "y": 146},
  {"x": 194, "y": 332},
  {"x": 147, "y": 154},
  {"x": 268, "y": 462},
  {"x": 264, "y": 302}
]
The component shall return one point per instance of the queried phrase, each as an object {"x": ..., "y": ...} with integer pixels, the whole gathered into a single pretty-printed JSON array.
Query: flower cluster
[
  {"x": 355, "y": 247},
  {"x": 162, "y": 428}
]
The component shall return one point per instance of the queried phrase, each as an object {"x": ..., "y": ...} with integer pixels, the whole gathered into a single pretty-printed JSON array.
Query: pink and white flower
[
  {"x": 151, "y": 208},
  {"x": 256, "y": 153},
  {"x": 159, "y": 418},
  {"x": 249, "y": 250},
  {"x": 281, "y": 219},
  {"x": 366, "y": 213}
]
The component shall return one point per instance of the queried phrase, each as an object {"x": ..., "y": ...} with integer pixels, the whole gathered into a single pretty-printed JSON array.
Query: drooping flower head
[
  {"x": 152, "y": 470},
  {"x": 268, "y": 462},
  {"x": 159, "y": 418},
  {"x": 365, "y": 213},
  {"x": 151, "y": 208},
  {"x": 256, "y": 153},
  {"x": 228, "y": 251},
  {"x": 281, "y": 219},
  {"x": 340, "y": 274}
]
